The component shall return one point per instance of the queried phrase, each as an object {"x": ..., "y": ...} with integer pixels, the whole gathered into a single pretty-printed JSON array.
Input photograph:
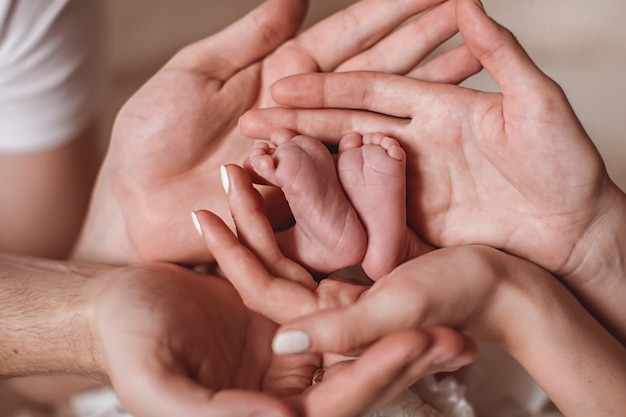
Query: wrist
[
  {"x": 596, "y": 271},
  {"x": 104, "y": 237},
  {"x": 568, "y": 353},
  {"x": 43, "y": 321}
]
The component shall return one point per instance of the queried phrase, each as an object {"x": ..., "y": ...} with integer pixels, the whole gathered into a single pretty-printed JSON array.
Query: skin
[
  {"x": 363, "y": 192},
  {"x": 305, "y": 172},
  {"x": 513, "y": 170},
  {"x": 50, "y": 197},
  {"x": 171, "y": 137},
  {"x": 122, "y": 325},
  {"x": 478, "y": 290}
]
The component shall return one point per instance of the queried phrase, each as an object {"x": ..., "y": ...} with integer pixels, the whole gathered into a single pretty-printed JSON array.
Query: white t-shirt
[{"x": 51, "y": 71}]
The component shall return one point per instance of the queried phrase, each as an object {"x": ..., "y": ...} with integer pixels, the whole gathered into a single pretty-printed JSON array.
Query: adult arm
[
  {"x": 175, "y": 342},
  {"x": 45, "y": 196},
  {"x": 494, "y": 298},
  {"x": 51, "y": 77},
  {"x": 42, "y": 328}
]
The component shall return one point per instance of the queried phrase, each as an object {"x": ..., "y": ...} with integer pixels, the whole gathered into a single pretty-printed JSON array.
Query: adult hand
[
  {"x": 171, "y": 137},
  {"x": 175, "y": 342},
  {"x": 492, "y": 297},
  {"x": 513, "y": 170},
  {"x": 272, "y": 284}
]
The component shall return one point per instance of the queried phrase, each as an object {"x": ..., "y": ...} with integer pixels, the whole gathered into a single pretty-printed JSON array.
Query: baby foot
[
  {"x": 327, "y": 235},
  {"x": 372, "y": 171}
]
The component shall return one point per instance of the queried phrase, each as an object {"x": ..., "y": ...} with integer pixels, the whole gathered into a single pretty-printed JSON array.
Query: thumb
[
  {"x": 244, "y": 42},
  {"x": 498, "y": 51}
]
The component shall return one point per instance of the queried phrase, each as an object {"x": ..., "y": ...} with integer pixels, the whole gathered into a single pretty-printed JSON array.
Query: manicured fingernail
[
  {"x": 196, "y": 223},
  {"x": 224, "y": 175},
  {"x": 291, "y": 341}
]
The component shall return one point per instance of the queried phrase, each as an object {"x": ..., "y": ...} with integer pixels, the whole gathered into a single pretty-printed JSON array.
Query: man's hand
[
  {"x": 176, "y": 342},
  {"x": 171, "y": 137}
]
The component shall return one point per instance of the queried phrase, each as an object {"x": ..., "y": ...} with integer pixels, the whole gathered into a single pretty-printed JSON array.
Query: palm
[
  {"x": 200, "y": 333},
  {"x": 175, "y": 342},
  {"x": 513, "y": 170},
  {"x": 174, "y": 160},
  {"x": 496, "y": 164},
  {"x": 171, "y": 137}
]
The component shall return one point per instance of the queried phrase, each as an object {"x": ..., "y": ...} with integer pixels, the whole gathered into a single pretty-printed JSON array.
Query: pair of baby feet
[{"x": 348, "y": 211}]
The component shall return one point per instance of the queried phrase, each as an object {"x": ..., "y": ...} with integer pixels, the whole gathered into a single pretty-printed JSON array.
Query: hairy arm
[{"x": 43, "y": 325}]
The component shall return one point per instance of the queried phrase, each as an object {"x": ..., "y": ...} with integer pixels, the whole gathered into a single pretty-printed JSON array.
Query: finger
[
  {"x": 389, "y": 94},
  {"x": 498, "y": 51},
  {"x": 358, "y": 387},
  {"x": 447, "y": 350},
  {"x": 453, "y": 67},
  {"x": 384, "y": 370},
  {"x": 246, "y": 41},
  {"x": 255, "y": 231},
  {"x": 356, "y": 28},
  {"x": 450, "y": 349},
  {"x": 329, "y": 125},
  {"x": 393, "y": 303},
  {"x": 344, "y": 330},
  {"x": 405, "y": 48},
  {"x": 161, "y": 394},
  {"x": 277, "y": 299}
]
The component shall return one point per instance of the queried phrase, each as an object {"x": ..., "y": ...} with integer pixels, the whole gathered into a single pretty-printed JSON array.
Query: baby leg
[
  {"x": 372, "y": 171},
  {"x": 327, "y": 235}
]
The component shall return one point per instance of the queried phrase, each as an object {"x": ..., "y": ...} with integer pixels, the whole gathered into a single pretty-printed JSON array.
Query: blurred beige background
[{"x": 579, "y": 43}]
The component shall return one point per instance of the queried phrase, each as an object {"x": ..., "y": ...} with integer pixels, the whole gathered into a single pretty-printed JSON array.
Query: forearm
[
  {"x": 570, "y": 355},
  {"x": 43, "y": 321}
]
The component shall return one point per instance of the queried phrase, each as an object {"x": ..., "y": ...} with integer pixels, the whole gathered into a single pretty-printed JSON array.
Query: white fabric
[
  {"x": 98, "y": 403},
  {"x": 51, "y": 71}
]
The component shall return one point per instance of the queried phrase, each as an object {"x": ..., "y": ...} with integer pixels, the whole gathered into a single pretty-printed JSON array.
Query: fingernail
[
  {"x": 479, "y": 3},
  {"x": 224, "y": 175},
  {"x": 196, "y": 223},
  {"x": 291, "y": 341}
]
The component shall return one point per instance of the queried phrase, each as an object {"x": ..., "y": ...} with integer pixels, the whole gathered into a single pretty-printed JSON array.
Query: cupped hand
[
  {"x": 423, "y": 292},
  {"x": 281, "y": 289},
  {"x": 176, "y": 342},
  {"x": 514, "y": 170},
  {"x": 171, "y": 137}
]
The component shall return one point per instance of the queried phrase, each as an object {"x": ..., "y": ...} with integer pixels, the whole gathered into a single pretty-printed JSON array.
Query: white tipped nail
[
  {"x": 224, "y": 175},
  {"x": 291, "y": 341},
  {"x": 196, "y": 223}
]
